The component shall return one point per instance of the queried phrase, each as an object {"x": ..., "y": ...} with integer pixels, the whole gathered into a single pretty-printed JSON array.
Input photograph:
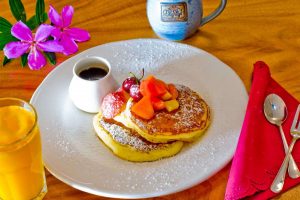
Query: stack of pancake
[{"x": 135, "y": 139}]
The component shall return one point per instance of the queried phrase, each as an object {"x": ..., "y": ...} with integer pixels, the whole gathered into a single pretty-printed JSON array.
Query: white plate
[{"x": 74, "y": 154}]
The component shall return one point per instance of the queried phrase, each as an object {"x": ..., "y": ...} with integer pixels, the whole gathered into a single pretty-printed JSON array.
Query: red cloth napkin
[{"x": 260, "y": 151}]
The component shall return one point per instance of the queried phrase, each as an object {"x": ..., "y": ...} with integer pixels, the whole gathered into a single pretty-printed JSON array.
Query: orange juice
[{"x": 21, "y": 167}]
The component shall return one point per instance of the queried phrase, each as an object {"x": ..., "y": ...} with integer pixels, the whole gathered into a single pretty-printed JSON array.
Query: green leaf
[
  {"x": 24, "y": 59},
  {"x": 6, "y": 38},
  {"x": 5, "y": 61},
  {"x": 17, "y": 9},
  {"x": 45, "y": 17},
  {"x": 5, "y": 25},
  {"x": 32, "y": 23},
  {"x": 39, "y": 11},
  {"x": 51, "y": 57}
]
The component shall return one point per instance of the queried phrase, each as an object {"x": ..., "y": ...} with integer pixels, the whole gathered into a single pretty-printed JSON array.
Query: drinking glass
[{"x": 22, "y": 174}]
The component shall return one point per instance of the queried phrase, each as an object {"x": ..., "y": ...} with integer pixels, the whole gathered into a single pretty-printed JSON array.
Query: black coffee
[{"x": 92, "y": 73}]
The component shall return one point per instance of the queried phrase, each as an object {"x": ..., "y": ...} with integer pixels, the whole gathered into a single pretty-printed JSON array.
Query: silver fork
[{"x": 278, "y": 182}]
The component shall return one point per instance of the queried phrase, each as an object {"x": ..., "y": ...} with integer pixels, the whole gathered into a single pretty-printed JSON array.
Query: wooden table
[{"x": 245, "y": 32}]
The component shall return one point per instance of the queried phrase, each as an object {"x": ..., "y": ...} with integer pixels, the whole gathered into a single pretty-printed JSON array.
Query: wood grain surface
[{"x": 247, "y": 31}]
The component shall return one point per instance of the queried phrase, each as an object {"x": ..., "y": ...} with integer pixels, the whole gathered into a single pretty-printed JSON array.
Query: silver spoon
[
  {"x": 278, "y": 182},
  {"x": 276, "y": 113}
]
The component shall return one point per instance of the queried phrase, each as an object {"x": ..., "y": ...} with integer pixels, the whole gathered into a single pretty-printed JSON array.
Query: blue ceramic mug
[{"x": 178, "y": 19}]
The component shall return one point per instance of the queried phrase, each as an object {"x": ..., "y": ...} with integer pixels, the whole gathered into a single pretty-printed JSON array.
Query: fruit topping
[
  {"x": 125, "y": 94},
  {"x": 143, "y": 108},
  {"x": 172, "y": 105},
  {"x": 149, "y": 95},
  {"x": 128, "y": 82},
  {"x": 132, "y": 80},
  {"x": 159, "y": 96},
  {"x": 157, "y": 103},
  {"x": 135, "y": 92},
  {"x": 153, "y": 87},
  {"x": 166, "y": 96},
  {"x": 173, "y": 91},
  {"x": 113, "y": 104}
]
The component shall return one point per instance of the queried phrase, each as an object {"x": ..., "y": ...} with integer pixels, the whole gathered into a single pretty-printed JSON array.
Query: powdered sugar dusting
[
  {"x": 191, "y": 115},
  {"x": 129, "y": 137},
  {"x": 148, "y": 54}
]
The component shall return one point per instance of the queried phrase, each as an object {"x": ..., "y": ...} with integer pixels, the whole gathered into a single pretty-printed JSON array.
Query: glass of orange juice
[{"x": 21, "y": 168}]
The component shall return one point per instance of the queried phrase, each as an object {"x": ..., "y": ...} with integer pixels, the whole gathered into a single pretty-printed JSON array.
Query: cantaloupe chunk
[{"x": 143, "y": 108}]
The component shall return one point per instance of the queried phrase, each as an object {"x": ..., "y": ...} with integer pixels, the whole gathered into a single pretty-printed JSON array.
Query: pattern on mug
[{"x": 174, "y": 12}]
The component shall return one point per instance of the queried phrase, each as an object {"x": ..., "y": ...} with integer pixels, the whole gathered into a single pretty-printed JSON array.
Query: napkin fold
[{"x": 260, "y": 150}]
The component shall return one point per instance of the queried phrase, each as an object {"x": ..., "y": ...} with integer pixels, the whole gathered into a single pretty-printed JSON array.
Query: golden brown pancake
[
  {"x": 129, "y": 145},
  {"x": 186, "y": 123}
]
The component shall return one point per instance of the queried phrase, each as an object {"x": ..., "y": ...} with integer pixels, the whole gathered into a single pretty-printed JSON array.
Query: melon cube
[{"x": 171, "y": 105}]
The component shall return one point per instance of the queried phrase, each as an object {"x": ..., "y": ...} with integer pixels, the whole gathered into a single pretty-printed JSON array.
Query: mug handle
[{"x": 214, "y": 14}]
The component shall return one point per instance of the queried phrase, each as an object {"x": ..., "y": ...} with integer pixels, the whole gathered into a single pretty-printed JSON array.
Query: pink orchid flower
[
  {"x": 33, "y": 42},
  {"x": 62, "y": 32}
]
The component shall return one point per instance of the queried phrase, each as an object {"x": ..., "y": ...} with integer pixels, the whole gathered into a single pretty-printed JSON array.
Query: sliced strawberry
[
  {"x": 113, "y": 104},
  {"x": 126, "y": 94}
]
